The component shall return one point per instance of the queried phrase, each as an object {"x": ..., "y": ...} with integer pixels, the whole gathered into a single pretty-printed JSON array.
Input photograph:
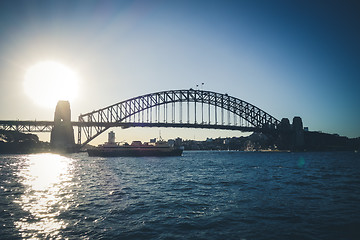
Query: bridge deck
[
  {"x": 186, "y": 108},
  {"x": 46, "y": 126}
]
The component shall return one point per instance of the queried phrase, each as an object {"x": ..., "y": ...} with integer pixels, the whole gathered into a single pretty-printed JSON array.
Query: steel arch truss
[
  {"x": 147, "y": 110},
  {"x": 27, "y": 126}
]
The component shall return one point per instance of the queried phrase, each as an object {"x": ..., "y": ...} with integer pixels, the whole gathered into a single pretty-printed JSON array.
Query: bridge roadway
[{"x": 46, "y": 126}]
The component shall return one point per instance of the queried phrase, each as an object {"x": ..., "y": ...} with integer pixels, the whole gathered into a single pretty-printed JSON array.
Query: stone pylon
[
  {"x": 62, "y": 134},
  {"x": 298, "y": 130}
]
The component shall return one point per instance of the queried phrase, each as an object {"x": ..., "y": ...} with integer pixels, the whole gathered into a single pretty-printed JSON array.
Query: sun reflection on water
[{"x": 46, "y": 178}]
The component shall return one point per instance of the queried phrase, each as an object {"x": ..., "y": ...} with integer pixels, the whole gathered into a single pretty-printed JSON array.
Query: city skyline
[{"x": 289, "y": 59}]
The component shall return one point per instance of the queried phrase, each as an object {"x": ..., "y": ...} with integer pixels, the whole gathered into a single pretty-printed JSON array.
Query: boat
[{"x": 135, "y": 149}]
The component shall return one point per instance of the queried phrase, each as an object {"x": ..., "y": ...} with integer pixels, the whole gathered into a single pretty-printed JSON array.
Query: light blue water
[{"x": 201, "y": 195}]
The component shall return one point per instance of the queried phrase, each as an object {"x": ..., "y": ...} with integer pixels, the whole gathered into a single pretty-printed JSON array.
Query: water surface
[{"x": 201, "y": 195}]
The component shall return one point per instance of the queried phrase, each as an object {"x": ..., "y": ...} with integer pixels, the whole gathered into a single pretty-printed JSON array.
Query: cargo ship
[{"x": 135, "y": 149}]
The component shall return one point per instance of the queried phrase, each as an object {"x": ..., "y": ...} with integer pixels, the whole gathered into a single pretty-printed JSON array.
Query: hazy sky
[{"x": 289, "y": 58}]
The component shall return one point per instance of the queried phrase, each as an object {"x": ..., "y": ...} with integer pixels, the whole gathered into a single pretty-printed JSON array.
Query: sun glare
[{"x": 48, "y": 82}]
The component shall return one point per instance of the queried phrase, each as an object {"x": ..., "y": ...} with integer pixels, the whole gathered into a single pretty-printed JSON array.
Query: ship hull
[{"x": 134, "y": 152}]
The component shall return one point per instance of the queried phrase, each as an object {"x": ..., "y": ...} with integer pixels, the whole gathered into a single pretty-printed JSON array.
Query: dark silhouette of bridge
[{"x": 174, "y": 108}]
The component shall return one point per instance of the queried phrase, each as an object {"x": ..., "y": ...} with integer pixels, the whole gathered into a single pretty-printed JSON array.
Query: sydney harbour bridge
[{"x": 173, "y": 108}]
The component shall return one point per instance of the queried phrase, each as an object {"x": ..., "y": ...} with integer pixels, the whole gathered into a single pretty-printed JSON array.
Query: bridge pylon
[{"x": 62, "y": 134}]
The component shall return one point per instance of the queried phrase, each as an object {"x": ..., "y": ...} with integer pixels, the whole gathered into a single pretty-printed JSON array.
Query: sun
[{"x": 48, "y": 82}]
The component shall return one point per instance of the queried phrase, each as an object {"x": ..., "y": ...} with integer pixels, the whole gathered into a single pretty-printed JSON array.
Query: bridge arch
[{"x": 145, "y": 110}]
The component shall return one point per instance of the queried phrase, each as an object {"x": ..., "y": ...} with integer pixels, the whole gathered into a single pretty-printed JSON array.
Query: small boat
[{"x": 135, "y": 149}]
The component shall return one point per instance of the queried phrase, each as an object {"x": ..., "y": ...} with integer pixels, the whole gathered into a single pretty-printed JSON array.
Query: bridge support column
[
  {"x": 291, "y": 136},
  {"x": 62, "y": 134}
]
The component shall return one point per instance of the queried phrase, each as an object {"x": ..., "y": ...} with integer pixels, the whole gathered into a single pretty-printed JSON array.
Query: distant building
[
  {"x": 178, "y": 141},
  {"x": 111, "y": 137},
  {"x": 171, "y": 142},
  {"x": 226, "y": 141}
]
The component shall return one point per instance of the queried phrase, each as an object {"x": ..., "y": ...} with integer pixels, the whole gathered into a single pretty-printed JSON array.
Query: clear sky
[{"x": 289, "y": 58}]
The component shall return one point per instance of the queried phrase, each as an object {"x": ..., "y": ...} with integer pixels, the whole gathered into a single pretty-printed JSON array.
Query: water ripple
[{"x": 201, "y": 195}]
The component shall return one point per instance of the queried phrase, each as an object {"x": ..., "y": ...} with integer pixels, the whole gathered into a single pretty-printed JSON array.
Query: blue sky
[{"x": 289, "y": 58}]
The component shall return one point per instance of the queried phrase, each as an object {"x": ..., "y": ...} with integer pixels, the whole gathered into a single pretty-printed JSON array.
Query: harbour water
[{"x": 200, "y": 195}]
